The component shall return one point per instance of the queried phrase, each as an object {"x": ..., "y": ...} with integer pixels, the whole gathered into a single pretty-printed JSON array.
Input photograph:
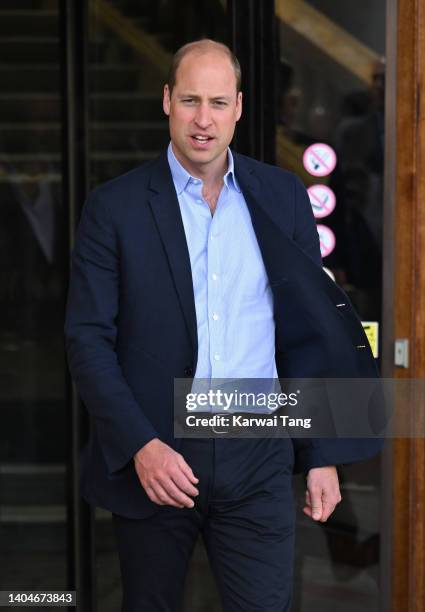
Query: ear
[
  {"x": 166, "y": 100},
  {"x": 239, "y": 106}
]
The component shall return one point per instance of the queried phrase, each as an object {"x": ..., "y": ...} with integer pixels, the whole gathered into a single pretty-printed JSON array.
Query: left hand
[{"x": 322, "y": 494}]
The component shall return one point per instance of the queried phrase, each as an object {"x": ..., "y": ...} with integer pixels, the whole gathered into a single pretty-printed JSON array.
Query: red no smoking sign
[
  {"x": 322, "y": 200},
  {"x": 327, "y": 240},
  {"x": 319, "y": 159}
]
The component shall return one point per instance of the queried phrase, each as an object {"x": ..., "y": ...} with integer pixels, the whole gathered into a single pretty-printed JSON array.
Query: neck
[{"x": 210, "y": 174}]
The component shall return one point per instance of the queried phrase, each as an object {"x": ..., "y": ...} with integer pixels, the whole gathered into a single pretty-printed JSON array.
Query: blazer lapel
[
  {"x": 283, "y": 258},
  {"x": 271, "y": 238},
  {"x": 166, "y": 211}
]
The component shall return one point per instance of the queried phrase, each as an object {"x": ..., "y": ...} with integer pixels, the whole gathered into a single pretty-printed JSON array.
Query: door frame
[{"x": 404, "y": 292}]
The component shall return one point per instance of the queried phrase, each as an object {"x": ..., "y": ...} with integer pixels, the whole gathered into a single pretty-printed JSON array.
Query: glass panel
[
  {"x": 131, "y": 45},
  {"x": 331, "y": 92},
  {"x": 32, "y": 392}
]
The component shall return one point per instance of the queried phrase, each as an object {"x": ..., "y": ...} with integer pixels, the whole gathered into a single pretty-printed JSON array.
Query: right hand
[{"x": 165, "y": 476}]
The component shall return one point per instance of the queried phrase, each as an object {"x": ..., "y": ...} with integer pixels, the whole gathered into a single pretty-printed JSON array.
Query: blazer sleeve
[
  {"x": 90, "y": 334},
  {"x": 307, "y": 451},
  {"x": 315, "y": 452}
]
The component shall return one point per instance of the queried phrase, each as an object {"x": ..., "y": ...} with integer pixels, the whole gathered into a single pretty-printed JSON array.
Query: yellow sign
[{"x": 371, "y": 329}]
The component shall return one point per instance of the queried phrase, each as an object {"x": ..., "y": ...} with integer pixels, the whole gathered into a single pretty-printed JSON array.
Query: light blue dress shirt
[{"x": 233, "y": 300}]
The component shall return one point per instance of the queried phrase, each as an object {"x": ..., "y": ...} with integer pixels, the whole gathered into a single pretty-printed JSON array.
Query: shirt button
[
  {"x": 188, "y": 371},
  {"x": 217, "y": 357},
  {"x": 199, "y": 201},
  {"x": 215, "y": 317},
  {"x": 214, "y": 276}
]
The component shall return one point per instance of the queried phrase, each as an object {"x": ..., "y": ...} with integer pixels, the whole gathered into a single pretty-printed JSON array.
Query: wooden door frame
[{"x": 403, "y": 503}]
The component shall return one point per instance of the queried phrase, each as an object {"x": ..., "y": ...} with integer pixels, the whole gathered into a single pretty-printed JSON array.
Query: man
[{"x": 203, "y": 263}]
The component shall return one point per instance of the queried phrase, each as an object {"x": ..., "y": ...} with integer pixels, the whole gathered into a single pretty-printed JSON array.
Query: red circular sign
[
  {"x": 327, "y": 240},
  {"x": 319, "y": 159},
  {"x": 322, "y": 200}
]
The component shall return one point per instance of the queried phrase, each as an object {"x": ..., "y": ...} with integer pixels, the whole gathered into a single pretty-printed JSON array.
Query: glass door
[
  {"x": 327, "y": 79},
  {"x": 33, "y": 442},
  {"x": 330, "y": 132}
]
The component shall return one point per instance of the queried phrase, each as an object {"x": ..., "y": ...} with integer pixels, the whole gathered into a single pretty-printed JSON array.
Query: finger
[
  {"x": 187, "y": 470},
  {"x": 328, "y": 508},
  {"x": 153, "y": 496},
  {"x": 307, "y": 511},
  {"x": 316, "y": 503},
  {"x": 164, "y": 497},
  {"x": 307, "y": 498},
  {"x": 183, "y": 483},
  {"x": 327, "y": 511},
  {"x": 177, "y": 494},
  {"x": 307, "y": 507},
  {"x": 326, "y": 515}
]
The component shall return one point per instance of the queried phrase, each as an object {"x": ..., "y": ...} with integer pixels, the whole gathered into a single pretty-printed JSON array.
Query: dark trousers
[{"x": 245, "y": 515}]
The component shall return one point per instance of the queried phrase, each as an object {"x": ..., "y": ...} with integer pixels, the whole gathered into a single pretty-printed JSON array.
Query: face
[{"x": 203, "y": 110}]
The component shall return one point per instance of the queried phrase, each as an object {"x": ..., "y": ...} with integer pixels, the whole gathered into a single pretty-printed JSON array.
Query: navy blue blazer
[{"x": 131, "y": 322}]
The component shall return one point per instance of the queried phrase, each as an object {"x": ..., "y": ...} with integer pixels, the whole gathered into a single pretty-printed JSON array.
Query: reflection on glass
[
  {"x": 331, "y": 82},
  {"x": 32, "y": 393}
]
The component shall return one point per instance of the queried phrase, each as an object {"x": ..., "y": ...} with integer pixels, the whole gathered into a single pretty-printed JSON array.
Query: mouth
[{"x": 200, "y": 141}]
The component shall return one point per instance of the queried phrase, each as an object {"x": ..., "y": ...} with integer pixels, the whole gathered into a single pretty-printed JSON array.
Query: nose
[{"x": 203, "y": 116}]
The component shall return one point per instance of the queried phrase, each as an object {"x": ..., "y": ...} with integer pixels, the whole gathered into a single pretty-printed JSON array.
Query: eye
[
  {"x": 220, "y": 103},
  {"x": 188, "y": 100}
]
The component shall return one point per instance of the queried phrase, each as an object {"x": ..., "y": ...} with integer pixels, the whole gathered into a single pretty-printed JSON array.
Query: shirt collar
[{"x": 181, "y": 176}]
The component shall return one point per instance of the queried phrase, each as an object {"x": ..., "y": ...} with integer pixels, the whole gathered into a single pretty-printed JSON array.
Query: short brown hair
[{"x": 203, "y": 45}]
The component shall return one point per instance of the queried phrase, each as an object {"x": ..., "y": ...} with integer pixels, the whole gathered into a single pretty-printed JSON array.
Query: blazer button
[{"x": 188, "y": 371}]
